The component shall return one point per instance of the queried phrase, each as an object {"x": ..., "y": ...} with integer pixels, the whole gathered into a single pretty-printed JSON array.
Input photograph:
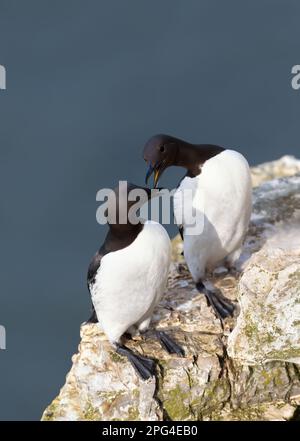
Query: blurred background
[{"x": 88, "y": 82}]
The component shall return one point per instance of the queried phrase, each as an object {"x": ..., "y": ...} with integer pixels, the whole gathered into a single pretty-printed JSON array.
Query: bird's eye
[{"x": 162, "y": 148}]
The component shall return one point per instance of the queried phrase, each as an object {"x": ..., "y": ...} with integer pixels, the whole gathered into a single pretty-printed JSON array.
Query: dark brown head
[
  {"x": 162, "y": 151},
  {"x": 122, "y": 207},
  {"x": 121, "y": 211}
]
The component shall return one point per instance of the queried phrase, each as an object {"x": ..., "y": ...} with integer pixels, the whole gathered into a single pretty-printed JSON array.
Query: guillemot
[
  {"x": 220, "y": 182},
  {"x": 127, "y": 277}
]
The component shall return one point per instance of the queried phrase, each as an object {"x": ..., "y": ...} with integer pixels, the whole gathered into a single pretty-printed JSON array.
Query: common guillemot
[
  {"x": 220, "y": 182},
  {"x": 127, "y": 277}
]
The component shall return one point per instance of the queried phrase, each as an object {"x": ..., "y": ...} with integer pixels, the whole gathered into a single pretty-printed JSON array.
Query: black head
[
  {"x": 160, "y": 152},
  {"x": 119, "y": 215},
  {"x": 123, "y": 220}
]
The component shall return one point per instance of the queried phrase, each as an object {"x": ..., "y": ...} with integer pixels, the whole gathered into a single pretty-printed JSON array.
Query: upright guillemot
[
  {"x": 127, "y": 277},
  {"x": 220, "y": 182}
]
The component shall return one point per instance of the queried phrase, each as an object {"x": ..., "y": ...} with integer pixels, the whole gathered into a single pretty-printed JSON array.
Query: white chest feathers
[
  {"x": 130, "y": 282},
  {"x": 221, "y": 207}
]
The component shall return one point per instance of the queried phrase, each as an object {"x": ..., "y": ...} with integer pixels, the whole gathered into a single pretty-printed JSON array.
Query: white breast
[
  {"x": 131, "y": 281},
  {"x": 222, "y": 200}
]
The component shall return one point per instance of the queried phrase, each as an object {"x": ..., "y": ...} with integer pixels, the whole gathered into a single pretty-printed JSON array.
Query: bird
[
  {"x": 128, "y": 275},
  {"x": 219, "y": 182}
]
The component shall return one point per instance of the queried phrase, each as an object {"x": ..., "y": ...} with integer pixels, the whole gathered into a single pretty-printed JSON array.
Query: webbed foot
[
  {"x": 144, "y": 367},
  {"x": 222, "y": 306}
]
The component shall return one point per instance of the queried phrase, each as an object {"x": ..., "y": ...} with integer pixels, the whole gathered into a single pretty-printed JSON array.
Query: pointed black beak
[{"x": 150, "y": 171}]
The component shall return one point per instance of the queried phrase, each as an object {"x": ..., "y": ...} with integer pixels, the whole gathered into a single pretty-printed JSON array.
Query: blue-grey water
[{"x": 87, "y": 83}]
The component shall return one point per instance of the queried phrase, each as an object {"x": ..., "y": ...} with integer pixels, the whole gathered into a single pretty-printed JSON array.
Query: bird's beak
[{"x": 150, "y": 171}]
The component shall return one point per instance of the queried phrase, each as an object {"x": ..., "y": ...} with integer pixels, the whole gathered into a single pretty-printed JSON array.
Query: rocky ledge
[{"x": 247, "y": 369}]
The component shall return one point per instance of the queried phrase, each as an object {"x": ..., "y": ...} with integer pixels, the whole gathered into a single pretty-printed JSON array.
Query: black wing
[
  {"x": 91, "y": 276},
  {"x": 93, "y": 268},
  {"x": 180, "y": 227}
]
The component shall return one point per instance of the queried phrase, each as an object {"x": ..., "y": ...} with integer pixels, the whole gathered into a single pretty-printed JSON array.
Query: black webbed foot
[
  {"x": 144, "y": 367},
  {"x": 168, "y": 344},
  {"x": 93, "y": 318},
  {"x": 222, "y": 306}
]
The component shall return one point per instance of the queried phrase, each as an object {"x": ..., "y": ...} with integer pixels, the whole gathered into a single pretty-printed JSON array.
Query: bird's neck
[
  {"x": 121, "y": 236},
  {"x": 193, "y": 156}
]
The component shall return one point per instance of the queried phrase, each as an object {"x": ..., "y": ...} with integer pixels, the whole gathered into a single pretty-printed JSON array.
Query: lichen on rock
[
  {"x": 269, "y": 294},
  {"x": 247, "y": 369}
]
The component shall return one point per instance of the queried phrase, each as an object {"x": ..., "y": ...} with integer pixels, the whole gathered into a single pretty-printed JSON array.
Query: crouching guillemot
[
  {"x": 220, "y": 182},
  {"x": 127, "y": 277}
]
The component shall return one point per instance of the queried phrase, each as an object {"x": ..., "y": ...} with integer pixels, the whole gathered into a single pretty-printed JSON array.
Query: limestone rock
[
  {"x": 268, "y": 327},
  {"x": 250, "y": 373},
  {"x": 285, "y": 166},
  {"x": 100, "y": 383}
]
